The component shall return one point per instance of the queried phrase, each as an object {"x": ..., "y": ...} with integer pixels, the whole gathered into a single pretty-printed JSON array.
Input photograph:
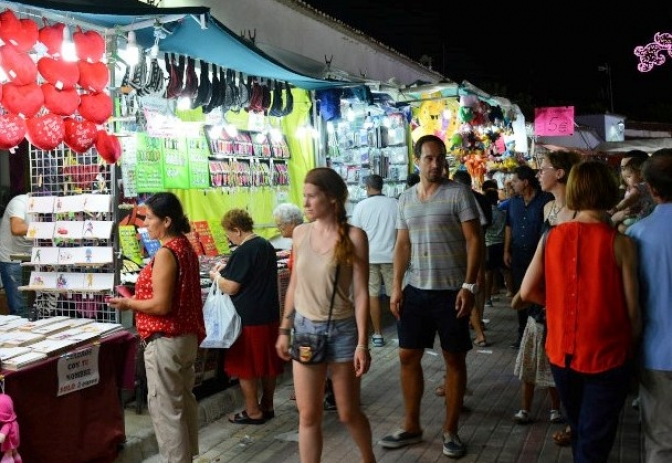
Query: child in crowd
[{"x": 637, "y": 202}]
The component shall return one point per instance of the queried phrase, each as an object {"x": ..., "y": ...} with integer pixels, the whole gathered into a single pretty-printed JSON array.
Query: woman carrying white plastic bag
[
  {"x": 222, "y": 322},
  {"x": 251, "y": 278}
]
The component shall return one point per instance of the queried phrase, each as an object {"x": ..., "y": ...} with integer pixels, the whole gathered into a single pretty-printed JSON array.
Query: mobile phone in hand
[{"x": 124, "y": 291}]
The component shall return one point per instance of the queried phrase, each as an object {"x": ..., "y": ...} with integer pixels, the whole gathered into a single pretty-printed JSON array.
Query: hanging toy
[{"x": 9, "y": 431}]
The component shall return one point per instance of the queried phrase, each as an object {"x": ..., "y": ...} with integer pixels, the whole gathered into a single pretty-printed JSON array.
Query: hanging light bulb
[
  {"x": 132, "y": 51},
  {"x": 68, "y": 51}
]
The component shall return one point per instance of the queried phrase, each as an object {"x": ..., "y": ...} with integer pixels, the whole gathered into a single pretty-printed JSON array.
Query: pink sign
[{"x": 555, "y": 121}]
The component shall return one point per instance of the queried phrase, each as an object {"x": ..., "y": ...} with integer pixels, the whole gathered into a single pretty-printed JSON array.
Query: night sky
[{"x": 546, "y": 55}]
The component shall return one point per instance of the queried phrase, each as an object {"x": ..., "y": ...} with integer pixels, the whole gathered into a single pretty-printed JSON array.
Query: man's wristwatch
[{"x": 471, "y": 287}]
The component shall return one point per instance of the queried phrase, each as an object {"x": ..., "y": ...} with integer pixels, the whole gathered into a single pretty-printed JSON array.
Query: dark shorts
[
  {"x": 494, "y": 257},
  {"x": 427, "y": 312}
]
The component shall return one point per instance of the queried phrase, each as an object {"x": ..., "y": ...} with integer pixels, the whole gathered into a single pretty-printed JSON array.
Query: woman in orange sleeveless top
[{"x": 585, "y": 272}]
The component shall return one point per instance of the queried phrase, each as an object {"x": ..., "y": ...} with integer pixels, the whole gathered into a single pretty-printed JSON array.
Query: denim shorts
[{"x": 342, "y": 339}]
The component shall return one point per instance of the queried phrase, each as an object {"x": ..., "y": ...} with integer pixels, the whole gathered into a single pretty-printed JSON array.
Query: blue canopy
[{"x": 191, "y": 31}]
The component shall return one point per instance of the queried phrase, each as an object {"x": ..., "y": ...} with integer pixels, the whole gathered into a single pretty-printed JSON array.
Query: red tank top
[
  {"x": 187, "y": 314},
  {"x": 586, "y": 311}
]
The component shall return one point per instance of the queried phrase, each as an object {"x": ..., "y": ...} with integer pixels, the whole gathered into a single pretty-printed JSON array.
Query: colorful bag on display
[{"x": 222, "y": 322}]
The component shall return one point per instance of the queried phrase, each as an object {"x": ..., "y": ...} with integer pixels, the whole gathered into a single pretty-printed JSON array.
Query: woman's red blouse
[{"x": 186, "y": 315}]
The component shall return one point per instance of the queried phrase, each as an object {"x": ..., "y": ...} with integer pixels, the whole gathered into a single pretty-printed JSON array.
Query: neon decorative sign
[{"x": 653, "y": 54}]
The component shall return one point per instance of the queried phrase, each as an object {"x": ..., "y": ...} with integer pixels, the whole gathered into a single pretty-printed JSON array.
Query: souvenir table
[{"x": 86, "y": 425}]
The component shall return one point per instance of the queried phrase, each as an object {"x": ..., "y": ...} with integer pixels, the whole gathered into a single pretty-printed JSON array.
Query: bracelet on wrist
[
  {"x": 362, "y": 346},
  {"x": 285, "y": 331}
]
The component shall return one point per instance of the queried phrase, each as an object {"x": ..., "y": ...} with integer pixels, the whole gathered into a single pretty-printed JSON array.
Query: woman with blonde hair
[
  {"x": 532, "y": 366},
  {"x": 330, "y": 258}
]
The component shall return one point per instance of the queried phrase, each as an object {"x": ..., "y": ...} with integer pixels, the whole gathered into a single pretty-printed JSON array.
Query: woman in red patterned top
[
  {"x": 585, "y": 272},
  {"x": 169, "y": 319}
]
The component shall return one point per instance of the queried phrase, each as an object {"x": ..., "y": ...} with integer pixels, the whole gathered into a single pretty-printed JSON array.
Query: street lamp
[{"x": 607, "y": 69}]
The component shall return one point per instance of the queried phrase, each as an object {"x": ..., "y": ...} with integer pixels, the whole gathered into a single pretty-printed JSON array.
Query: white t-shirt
[
  {"x": 377, "y": 216},
  {"x": 10, "y": 244}
]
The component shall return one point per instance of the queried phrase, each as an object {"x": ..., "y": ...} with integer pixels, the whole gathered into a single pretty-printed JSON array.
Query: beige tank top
[{"x": 315, "y": 283}]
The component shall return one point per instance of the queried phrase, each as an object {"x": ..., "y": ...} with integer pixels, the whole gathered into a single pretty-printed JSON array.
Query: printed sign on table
[
  {"x": 555, "y": 121},
  {"x": 78, "y": 370}
]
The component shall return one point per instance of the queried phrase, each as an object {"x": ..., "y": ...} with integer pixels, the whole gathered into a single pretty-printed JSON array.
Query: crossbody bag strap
[{"x": 333, "y": 297}]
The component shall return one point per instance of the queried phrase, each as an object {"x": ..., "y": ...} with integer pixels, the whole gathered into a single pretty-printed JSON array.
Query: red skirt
[{"x": 253, "y": 355}]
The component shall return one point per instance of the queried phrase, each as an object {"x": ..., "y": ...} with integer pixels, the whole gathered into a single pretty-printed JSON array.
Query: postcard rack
[{"x": 72, "y": 212}]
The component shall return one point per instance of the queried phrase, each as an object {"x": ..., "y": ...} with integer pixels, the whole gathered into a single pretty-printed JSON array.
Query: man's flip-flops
[{"x": 243, "y": 418}]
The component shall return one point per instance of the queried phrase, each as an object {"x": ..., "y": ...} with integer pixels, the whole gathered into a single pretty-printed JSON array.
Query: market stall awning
[
  {"x": 583, "y": 138},
  {"x": 645, "y": 144},
  {"x": 191, "y": 31}
]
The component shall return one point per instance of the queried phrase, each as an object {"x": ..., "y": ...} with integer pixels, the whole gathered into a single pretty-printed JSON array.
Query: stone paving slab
[{"x": 486, "y": 425}]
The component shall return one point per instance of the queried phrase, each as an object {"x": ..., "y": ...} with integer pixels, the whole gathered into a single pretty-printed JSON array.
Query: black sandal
[{"x": 243, "y": 418}]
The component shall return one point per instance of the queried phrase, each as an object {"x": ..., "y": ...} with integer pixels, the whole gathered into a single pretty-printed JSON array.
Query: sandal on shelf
[
  {"x": 243, "y": 418},
  {"x": 563, "y": 438}
]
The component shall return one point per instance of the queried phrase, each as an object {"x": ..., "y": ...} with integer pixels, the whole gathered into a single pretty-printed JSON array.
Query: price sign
[
  {"x": 78, "y": 370},
  {"x": 556, "y": 121}
]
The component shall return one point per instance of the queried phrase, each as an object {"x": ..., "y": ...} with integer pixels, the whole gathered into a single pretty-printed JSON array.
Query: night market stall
[{"x": 108, "y": 104}]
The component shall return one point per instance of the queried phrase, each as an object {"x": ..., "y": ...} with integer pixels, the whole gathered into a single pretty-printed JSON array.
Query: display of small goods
[
  {"x": 72, "y": 257},
  {"x": 23, "y": 344},
  {"x": 368, "y": 142},
  {"x": 226, "y": 143},
  {"x": 262, "y": 168}
]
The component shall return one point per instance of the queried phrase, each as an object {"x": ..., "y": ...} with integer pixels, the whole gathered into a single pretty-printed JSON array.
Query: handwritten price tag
[{"x": 556, "y": 121}]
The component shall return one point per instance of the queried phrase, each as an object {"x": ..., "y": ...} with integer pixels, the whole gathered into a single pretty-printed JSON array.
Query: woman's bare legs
[{"x": 347, "y": 393}]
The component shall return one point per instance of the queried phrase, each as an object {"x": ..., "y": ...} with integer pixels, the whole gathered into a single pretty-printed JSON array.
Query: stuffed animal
[
  {"x": 429, "y": 116},
  {"x": 9, "y": 431}
]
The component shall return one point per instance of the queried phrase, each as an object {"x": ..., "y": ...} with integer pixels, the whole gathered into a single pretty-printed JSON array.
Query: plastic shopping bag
[{"x": 222, "y": 322}]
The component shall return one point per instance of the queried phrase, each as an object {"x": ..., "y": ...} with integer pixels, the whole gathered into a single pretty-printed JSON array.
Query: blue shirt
[
  {"x": 526, "y": 222},
  {"x": 652, "y": 234}
]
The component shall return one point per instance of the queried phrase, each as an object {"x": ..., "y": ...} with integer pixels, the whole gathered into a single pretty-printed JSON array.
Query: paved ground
[{"x": 486, "y": 425}]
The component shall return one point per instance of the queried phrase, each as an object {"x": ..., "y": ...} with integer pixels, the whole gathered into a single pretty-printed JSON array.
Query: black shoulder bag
[{"x": 309, "y": 348}]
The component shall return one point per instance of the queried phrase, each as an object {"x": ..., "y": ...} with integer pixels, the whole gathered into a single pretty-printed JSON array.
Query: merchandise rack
[{"x": 61, "y": 172}]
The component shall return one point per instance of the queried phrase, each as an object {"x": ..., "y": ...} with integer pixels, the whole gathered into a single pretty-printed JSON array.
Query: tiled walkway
[{"x": 486, "y": 425}]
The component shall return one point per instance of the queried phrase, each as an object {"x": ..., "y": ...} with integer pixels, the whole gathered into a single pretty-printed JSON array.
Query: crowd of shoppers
[{"x": 584, "y": 323}]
